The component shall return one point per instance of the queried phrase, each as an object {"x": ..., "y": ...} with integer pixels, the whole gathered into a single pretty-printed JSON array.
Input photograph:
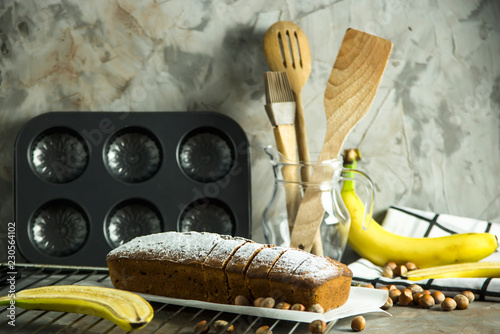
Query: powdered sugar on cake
[
  {"x": 245, "y": 252},
  {"x": 289, "y": 261},
  {"x": 223, "y": 250},
  {"x": 318, "y": 268},
  {"x": 175, "y": 246},
  {"x": 267, "y": 256}
]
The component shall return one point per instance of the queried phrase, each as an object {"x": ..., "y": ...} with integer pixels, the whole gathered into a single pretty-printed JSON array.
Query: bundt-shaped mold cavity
[
  {"x": 59, "y": 155},
  {"x": 207, "y": 215},
  {"x": 130, "y": 219},
  {"x": 133, "y": 155},
  {"x": 59, "y": 228},
  {"x": 206, "y": 155}
]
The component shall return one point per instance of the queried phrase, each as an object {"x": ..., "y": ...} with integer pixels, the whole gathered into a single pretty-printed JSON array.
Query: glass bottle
[{"x": 325, "y": 177}]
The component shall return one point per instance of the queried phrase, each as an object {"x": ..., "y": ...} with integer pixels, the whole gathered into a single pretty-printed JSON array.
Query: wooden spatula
[{"x": 350, "y": 91}]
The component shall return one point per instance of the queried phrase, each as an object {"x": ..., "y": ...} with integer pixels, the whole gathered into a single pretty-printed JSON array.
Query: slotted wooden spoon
[
  {"x": 350, "y": 91},
  {"x": 286, "y": 48}
]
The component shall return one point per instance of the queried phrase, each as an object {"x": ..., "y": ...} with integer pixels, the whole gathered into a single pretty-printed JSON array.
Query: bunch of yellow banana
[
  {"x": 474, "y": 270},
  {"x": 381, "y": 246},
  {"x": 127, "y": 310}
]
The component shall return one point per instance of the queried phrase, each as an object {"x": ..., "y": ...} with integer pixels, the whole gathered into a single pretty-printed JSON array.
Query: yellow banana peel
[
  {"x": 471, "y": 270},
  {"x": 126, "y": 309}
]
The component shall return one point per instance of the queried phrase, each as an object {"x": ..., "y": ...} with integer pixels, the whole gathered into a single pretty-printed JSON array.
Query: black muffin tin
[{"x": 86, "y": 182}]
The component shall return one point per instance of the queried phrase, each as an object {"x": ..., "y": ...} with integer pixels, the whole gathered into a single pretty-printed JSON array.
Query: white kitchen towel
[{"x": 416, "y": 223}]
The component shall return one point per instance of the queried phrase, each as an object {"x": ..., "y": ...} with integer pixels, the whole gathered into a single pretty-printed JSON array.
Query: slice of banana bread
[
  {"x": 237, "y": 267},
  {"x": 321, "y": 280},
  {"x": 256, "y": 278},
  {"x": 214, "y": 269},
  {"x": 280, "y": 276}
]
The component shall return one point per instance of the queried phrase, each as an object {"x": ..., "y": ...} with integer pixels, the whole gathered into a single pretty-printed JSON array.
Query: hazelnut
[
  {"x": 391, "y": 264},
  {"x": 220, "y": 326},
  {"x": 283, "y": 306},
  {"x": 426, "y": 292},
  {"x": 201, "y": 327},
  {"x": 317, "y": 308},
  {"x": 258, "y": 301},
  {"x": 298, "y": 307},
  {"x": 462, "y": 302},
  {"x": 400, "y": 270},
  {"x": 415, "y": 288},
  {"x": 388, "y": 304},
  {"x": 410, "y": 266},
  {"x": 416, "y": 297},
  {"x": 317, "y": 326},
  {"x": 242, "y": 301},
  {"x": 383, "y": 288},
  {"x": 268, "y": 302},
  {"x": 394, "y": 295},
  {"x": 470, "y": 296},
  {"x": 387, "y": 272},
  {"x": 438, "y": 297},
  {"x": 368, "y": 285},
  {"x": 391, "y": 287},
  {"x": 263, "y": 330},
  {"x": 358, "y": 323},
  {"x": 448, "y": 304},
  {"x": 426, "y": 301},
  {"x": 406, "y": 297}
]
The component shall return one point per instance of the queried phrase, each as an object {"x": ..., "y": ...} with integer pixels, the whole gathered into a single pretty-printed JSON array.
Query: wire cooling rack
[{"x": 168, "y": 318}]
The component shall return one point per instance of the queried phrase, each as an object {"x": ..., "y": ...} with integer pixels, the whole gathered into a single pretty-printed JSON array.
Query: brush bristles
[{"x": 278, "y": 87}]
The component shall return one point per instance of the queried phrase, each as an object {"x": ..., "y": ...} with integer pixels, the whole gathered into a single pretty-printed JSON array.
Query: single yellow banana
[
  {"x": 381, "y": 246},
  {"x": 127, "y": 310},
  {"x": 471, "y": 270}
]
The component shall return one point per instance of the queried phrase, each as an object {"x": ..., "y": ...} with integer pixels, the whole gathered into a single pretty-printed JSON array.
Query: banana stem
[{"x": 351, "y": 158}]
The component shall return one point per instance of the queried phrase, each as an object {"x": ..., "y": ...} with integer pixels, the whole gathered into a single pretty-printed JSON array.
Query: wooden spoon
[
  {"x": 350, "y": 91},
  {"x": 286, "y": 48}
]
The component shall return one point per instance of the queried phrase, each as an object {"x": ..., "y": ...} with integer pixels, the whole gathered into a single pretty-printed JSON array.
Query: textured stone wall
[{"x": 431, "y": 140}]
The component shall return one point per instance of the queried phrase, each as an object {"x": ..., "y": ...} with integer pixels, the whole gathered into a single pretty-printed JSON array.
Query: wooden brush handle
[{"x": 286, "y": 144}]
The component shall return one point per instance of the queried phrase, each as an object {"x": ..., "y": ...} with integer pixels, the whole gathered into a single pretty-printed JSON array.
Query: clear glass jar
[{"x": 279, "y": 215}]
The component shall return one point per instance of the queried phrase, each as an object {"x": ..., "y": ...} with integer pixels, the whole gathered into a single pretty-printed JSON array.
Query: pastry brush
[{"x": 280, "y": 107}]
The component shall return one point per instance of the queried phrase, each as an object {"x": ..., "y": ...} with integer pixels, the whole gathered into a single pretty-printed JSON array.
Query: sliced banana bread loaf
[{"x": 211, "y": 267}]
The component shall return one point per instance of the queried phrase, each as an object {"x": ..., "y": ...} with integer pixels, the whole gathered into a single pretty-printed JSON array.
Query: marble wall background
[{"x": 430, "y": 141}]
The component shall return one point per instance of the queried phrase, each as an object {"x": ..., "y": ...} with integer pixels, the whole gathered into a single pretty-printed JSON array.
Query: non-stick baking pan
[{"x": 86, "y": 182}]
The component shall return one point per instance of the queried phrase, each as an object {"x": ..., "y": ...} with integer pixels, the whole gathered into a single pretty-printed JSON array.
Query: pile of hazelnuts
[{"x": 414, "y": 294}]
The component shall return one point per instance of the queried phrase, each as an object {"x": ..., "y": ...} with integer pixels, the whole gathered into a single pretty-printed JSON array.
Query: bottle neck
[{"x": 349, "y": 184}]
